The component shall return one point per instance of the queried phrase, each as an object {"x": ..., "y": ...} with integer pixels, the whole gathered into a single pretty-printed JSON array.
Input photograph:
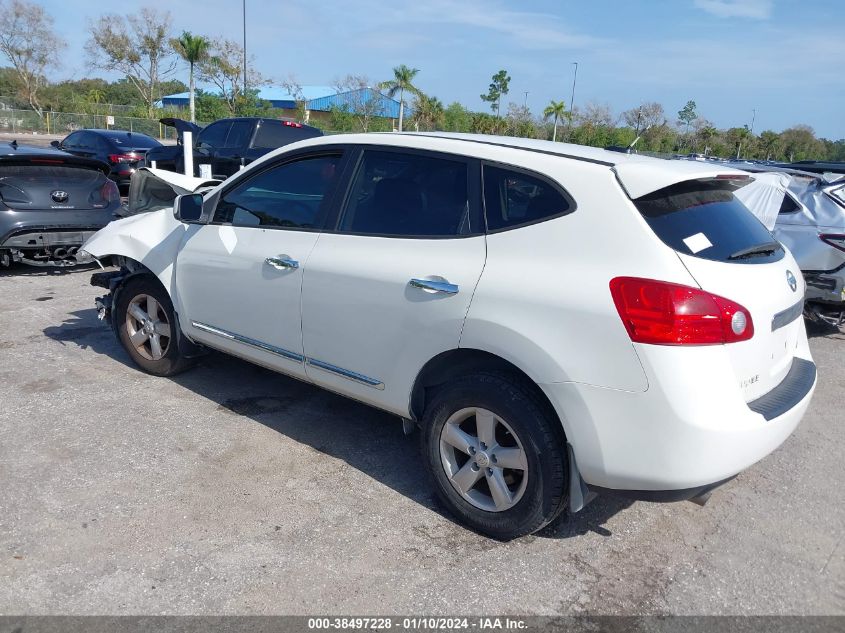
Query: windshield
[{"x": 704, "y": 219}]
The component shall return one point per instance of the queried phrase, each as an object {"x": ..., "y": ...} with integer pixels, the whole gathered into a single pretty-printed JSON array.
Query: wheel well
[{"x": 460, "y": 362}]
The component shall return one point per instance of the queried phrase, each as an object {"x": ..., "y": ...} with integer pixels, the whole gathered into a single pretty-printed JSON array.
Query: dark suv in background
[
  {"x": 121, "y": 150},
  {"x": 228, "y": 144}
]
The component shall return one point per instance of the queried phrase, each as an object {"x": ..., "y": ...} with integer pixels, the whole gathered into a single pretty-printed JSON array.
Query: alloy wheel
[
  {"x": 484, "y": 459},
  {"x": 148, "y": 327}
]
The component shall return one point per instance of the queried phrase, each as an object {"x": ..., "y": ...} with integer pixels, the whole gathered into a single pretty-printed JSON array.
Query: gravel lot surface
[{"x": 232, "y": 490}]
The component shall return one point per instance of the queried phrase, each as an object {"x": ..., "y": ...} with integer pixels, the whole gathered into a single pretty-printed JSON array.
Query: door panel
[
  {"x": 234, "y": 300},
  {"x": 391, "y": 289},
  {"x": 362, "y": 314},
  {"x": 239, "y": 278}
]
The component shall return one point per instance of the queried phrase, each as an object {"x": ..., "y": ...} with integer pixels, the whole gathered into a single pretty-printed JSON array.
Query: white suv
[{"x": 559, "y": 320}]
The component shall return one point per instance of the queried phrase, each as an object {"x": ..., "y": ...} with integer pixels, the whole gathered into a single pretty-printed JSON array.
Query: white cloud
[{"x": 756, "y": 9}]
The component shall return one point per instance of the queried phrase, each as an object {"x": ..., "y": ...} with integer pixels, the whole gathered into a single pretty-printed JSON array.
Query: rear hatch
[
  {"x": 731, "y": 254},
  {"x": 56, "y": 183}
]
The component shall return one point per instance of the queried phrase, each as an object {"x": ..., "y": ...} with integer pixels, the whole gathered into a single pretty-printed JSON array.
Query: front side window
[
  {"x": 290, "y": 195},
  {"x": 513, "y": 198},
  {"x": 408, "y": 195}
]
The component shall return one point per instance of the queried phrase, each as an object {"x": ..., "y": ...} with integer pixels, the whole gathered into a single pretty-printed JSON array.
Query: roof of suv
[{"x": 639, "y": 175}]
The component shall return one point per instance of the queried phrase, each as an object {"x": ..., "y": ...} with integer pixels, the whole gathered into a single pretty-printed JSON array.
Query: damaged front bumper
[{"x": 110, "y": 280}]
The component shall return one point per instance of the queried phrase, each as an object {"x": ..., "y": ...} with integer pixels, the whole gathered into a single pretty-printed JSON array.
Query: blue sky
[{"x": 780, "y": 57}]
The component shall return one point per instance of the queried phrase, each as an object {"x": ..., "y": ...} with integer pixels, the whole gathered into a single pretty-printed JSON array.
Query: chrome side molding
[
  {"x": 351, "y": 375},
  {"x": 284, "y": 353}
]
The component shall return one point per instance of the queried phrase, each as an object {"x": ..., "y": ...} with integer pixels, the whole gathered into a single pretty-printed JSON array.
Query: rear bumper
[{"x": 682, "y": 436}]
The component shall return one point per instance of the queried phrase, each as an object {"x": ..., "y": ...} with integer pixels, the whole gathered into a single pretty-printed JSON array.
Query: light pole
[
  {"x": 244, "y": 12},
  {"x": 525, "y": 103},
  {"x": 753, "y": 118},
  {"x": 572, "y": 98}
]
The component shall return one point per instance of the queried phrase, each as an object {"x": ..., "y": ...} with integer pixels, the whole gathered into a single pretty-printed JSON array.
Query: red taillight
[
  {"x": 663, "y": 313},
  {"x": 292, "y": 123},
  {"x": 120, "y": 158},
  {"x": 105, "y": 195},
  {"x": 834, "y": 240}
]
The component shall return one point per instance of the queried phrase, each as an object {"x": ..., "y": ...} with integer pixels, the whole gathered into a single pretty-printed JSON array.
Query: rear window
[
  {"x": 703, "y": 218},
  {"x": 31, "y": 186},
  {"x": 273, "y": 134},
  {"x": 137, "y": 141}
]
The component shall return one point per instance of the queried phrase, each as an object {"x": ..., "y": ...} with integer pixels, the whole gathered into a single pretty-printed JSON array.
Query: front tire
[
  {"x": 146, "y": 327},
  {"x": 496, "y": 455}
]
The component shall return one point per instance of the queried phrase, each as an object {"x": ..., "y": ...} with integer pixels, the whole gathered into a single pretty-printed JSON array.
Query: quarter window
[
  {"x": 215, "y": 134},
  {"x": 291, "y": 195},
  {"x": 408, "y": 195},
  {"x": 513, "y": 198},
  {"x": 788, "y": 205}
]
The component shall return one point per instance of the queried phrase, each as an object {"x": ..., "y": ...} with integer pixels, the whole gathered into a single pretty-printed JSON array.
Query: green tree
[
  {"x": 403, "y": 77},
  {"x": 498, "y": 87},
  {"x": 29, "y": 43},
  {"x": 555, "y": 110},
  {"x": 210, "y": 107},
  {"x": 429, "y": 113},
  {"x": 456, "y": 118},
  {"x": 687, "y": 115},
  {"x": 192, "y": 49}
]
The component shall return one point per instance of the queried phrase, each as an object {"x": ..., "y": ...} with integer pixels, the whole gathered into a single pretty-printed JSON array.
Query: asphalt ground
[{"x": 234, "y": 490}]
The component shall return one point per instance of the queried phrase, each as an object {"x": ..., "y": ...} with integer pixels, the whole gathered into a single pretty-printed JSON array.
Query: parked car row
[{"x": 52, "y": 200}]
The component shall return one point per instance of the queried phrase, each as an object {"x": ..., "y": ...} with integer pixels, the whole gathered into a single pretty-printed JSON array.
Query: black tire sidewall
[{"x": 544, "y": 446}]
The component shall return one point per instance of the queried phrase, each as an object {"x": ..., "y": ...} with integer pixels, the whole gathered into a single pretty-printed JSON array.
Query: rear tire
[
  {"x": 496, "y": 455},
  {"x": 146, "y": 327}
]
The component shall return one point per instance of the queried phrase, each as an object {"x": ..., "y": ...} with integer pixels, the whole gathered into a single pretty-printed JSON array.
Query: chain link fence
[{"x": 62, "y": 123}]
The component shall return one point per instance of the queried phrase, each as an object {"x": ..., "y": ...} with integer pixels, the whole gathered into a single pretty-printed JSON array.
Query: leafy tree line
[{"x": 144, "y": 50}]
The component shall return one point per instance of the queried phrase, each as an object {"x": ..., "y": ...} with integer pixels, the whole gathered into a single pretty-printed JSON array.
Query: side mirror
[
  {"x": 56, "y": 144},
  {"x": 188, "y": 208}
]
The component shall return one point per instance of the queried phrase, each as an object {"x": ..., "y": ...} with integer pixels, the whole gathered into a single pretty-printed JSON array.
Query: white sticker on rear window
[{"x": 697, "y": 242}]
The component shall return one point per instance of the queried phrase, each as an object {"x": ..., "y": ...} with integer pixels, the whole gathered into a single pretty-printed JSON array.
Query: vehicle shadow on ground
[
  {"x": 365, "y": 438},
  {"x": 818, "y": 329},
  {"x": 20, "y": 270}
]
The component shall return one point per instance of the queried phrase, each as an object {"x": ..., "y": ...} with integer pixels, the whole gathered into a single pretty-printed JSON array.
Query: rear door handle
[
  {"x": 283, "y": 262},
  {"x": 434, "y": 286}
]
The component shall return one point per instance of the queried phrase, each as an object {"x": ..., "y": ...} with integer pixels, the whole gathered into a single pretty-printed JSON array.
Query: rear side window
[
  {"x": 239, "y": 134},
  {"x": 290, "y": 195},
  {"x": 513, "y": 198},
  {"x": 703, "y": 218},
  {"x": 408, "y": 195},
  {"x": 215, "y": 134},
  {"x": 273, "y": 134}
]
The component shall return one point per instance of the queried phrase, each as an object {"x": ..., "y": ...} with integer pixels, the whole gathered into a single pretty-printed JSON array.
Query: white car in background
[
  {"x": 559, "y": 320},
  {"x": 806, "y": 212}
]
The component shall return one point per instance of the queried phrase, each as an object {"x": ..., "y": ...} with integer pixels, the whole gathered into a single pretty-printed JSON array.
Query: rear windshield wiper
[{"x": 766, "y": 248}]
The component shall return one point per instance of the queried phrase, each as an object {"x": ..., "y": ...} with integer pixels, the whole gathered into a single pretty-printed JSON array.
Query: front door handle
[
  {"x": 434, "y": 286},
  {"x": 283, "y": 262}
]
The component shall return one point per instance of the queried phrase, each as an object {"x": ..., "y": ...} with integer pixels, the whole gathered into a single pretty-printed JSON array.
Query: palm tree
[
  {"x": 556, "y": 109},
  {"x": 193, "y": 49},
  {"x": 428, "y": 112},
  {"x": 402, "y": 77}
]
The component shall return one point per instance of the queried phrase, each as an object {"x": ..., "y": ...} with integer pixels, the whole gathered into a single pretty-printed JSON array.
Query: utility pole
[
  {"x": 244, "y": 12},
  {"x": 525, "y": 103},
  {"x": 572, "y": 99},
  {"x": 753, "y": 118}
]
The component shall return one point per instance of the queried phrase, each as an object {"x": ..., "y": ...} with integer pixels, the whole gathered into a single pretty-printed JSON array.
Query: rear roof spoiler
[{"x": 642, "y": 177}]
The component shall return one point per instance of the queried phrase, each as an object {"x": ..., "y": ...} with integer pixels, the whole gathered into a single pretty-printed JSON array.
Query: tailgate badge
[
  {"x": 790, "y": 279},
  {"x": 59, "y": 196}
]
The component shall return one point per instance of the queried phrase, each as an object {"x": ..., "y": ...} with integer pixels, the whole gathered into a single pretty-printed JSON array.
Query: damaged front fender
[{"x": 152, "y": 239}]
